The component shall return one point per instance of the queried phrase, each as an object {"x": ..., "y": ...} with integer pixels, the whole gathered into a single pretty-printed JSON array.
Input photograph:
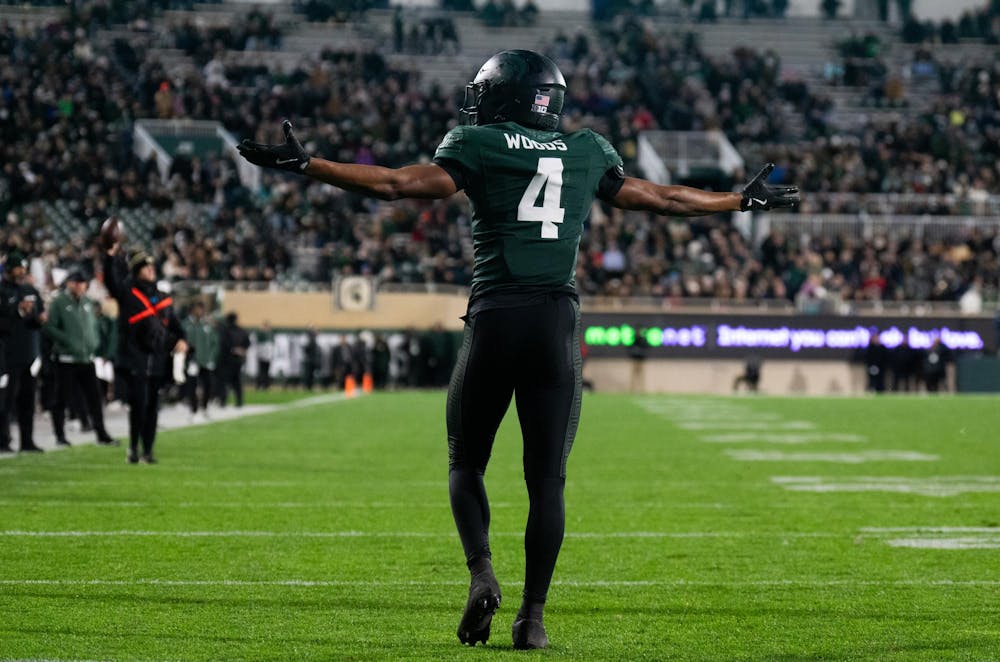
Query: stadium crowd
[{"x": 66, "y": 108}]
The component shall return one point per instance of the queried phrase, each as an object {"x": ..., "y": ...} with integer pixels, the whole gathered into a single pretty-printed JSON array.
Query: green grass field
[{"x": 697, "y": 529}]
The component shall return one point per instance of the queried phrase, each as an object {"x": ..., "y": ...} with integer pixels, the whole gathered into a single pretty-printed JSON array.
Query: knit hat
[{"x": 139, "y": 260}]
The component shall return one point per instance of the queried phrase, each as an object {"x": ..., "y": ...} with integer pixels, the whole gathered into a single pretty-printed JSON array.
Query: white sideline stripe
[
  {"x": 751, "y": 455},
  {"x": 408, "y": 534},
  {"x": 967, "y": 542},
  {"x": 570, "y": 583},
  {"x": 931, "y": 529},
  {"x": 783, "y": 438},
  {"x": 939, "y": 486},
  {"x": 741, "y": 425}
]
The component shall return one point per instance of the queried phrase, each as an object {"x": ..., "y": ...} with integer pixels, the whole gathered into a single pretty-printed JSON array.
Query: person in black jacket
[
  {"x": 148, "y": 332},
  {"x": 233, "y": 344},
  {"x": 876, "y": 358},
  {"x": 21, "y": 350}
]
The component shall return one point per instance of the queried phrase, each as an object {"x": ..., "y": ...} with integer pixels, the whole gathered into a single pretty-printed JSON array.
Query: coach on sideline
[
  {"x": 148, "y": 331},
  {"x": 73, "y": 327}
]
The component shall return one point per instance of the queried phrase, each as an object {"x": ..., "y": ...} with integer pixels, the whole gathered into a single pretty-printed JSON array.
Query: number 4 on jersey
[{"x": 549, "y": 176}]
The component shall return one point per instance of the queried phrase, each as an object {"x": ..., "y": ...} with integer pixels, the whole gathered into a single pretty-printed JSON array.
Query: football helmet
[{"x": 516, "y": 86}]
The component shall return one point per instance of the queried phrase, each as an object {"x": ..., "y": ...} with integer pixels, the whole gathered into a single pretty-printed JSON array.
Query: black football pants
[{"x": 532, "y": 354}]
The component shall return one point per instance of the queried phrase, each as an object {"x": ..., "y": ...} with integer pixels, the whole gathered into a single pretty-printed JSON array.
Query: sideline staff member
[
  {"x": 21, "y": 350},
  {"x": 73, "y": 328},
  {"x": 148, "y": 330}
]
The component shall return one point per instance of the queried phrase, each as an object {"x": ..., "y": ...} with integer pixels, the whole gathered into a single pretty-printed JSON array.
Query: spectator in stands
[{"x": 948, "y": 157}]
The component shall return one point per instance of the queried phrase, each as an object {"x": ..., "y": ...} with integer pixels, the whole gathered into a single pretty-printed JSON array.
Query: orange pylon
[
  {"x": 350, "y": 386},
  {"x": 367, "y": 384}
]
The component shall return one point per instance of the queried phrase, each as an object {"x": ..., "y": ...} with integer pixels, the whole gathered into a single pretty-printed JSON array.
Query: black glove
[
  {"x": 287, "y": 156},
  {"x": 757, "y": 195}
]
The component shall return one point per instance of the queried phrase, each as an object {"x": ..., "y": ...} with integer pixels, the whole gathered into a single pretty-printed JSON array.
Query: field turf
[{"x": 697, "y": 529}]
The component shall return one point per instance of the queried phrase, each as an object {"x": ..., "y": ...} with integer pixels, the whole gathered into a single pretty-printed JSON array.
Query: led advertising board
[{"x": 774, "y": 336}]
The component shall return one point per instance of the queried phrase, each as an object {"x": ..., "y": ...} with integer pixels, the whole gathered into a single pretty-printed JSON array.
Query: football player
[{"x": 531, "y": 188}]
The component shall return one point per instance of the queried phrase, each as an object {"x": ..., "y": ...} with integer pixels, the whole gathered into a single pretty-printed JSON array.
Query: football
[{"x": 112, "y": 232}]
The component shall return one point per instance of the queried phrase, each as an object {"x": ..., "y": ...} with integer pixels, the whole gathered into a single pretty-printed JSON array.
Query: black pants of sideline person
[
  {"x": 232, "y": 378},
  {"x": 81, "y": 379},
  {"x": 263, "y": 374},
  {"x": 143, "y": 410},
  {"x": 19, "y": 402},
  {"x": 199, "y": 390}
]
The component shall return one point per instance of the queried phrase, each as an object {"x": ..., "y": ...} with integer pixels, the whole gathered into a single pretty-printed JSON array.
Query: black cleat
[
  {"x": 106, "y": 440},
  {"x": 484, "y": 600},
  {"x": 132, "y": 457},
  {"x": 147, "y": 459},
  {"x": 62, "y": 442},
  {"x": 31, "y": 448},
  {"x": 529, "y": 633}
]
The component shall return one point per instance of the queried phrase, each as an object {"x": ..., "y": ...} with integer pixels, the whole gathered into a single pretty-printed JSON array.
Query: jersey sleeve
[
  {"x": 608, "y": 156},
  {"x": 609, "y": 164},
  {"x": 459, "y": 147}
]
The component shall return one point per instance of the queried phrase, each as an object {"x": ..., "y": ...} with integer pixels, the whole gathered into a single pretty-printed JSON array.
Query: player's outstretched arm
[
  {"x": 416, "y": 181},
  {"x": 641, "y": 195}
]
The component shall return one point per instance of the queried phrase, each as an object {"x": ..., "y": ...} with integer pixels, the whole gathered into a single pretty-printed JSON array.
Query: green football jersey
[{"x": 531, "y": 191}]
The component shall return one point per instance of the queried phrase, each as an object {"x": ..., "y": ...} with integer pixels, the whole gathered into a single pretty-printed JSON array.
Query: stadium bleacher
[{"x": 915, "y": 135}]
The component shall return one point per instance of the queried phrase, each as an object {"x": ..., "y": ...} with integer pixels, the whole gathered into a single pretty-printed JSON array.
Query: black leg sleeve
[
  {"x": 548, "y": 407},
  {"x": 478, "y": 397},
  {"x": 543, "y": 535}
]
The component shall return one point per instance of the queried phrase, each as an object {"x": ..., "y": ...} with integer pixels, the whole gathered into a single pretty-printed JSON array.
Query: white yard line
[
  {"x": 934, "y": 486},
  {"x": 930, "y": 529},
  {"x": 962, "y": 543},
  {"x": 860, "y": 457},
  {"x": 36, "y": 502},
  {"x": 775, "y": 426},
  {"x": 783, "y": 438}
]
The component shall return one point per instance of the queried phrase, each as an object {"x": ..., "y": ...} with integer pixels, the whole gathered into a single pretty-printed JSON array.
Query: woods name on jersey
[{"x": 517, "y": 141}]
